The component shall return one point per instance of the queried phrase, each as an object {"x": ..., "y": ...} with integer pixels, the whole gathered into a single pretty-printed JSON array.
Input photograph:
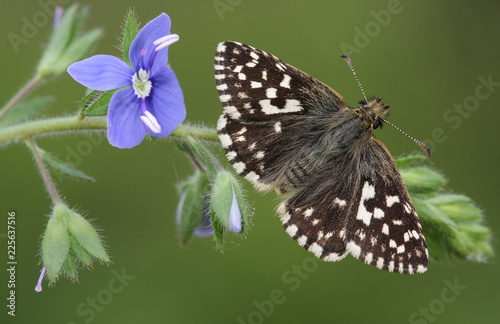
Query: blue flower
[{"x": 152, "y": 101}]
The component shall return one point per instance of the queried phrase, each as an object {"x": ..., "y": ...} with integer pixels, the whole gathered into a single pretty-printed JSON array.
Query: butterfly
[{"x": 284, "y": 130}]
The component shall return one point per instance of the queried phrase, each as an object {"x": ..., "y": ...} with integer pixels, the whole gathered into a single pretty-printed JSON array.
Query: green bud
[
  {"x": 65, "y": 46},
  {"x": 69, "y": 238},
  {"x": 227, "y": 202},
  {"x": 191, "y": 205}
]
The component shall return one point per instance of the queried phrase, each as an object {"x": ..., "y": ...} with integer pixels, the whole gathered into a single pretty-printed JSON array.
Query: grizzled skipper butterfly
[{"x": 284, "y": 130}]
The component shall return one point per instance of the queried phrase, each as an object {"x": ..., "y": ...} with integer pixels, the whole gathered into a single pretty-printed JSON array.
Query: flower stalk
[
  {"x": 20, "y": 95},
  {"x": 68, "y": 124},
  {"x": 49, "y": 184}
]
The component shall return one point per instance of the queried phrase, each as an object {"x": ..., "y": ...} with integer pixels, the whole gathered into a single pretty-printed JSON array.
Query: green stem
[
  {"x": 23, "y": 92},
  {"x": 75, "y": 123},
  {"x": 49, "y": 184}
]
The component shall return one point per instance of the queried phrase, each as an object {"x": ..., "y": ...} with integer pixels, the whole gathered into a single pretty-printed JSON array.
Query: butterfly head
[{"x": 373, "y": 112}]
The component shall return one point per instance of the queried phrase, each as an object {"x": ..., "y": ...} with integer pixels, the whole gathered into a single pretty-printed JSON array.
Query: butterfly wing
[
  {"x": 266, "y": 127},
  {"x": 368, "y": 214},
  {"x": 385, "y": 230}
]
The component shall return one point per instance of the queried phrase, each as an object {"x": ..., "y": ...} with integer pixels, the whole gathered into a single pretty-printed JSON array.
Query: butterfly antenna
[
  {"x": 422, "y": 144},
  {"x": 349, "y": 62}
]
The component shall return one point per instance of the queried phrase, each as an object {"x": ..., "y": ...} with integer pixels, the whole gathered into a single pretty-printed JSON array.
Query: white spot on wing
[
  {"x": 339, "y": 202},
  {"x": 354, "y": 249},
  {"x": 290, "y": 107},
  {"x": 231, "y": 155},
  {"x": 385, "y": 229},
  {"x": 316, "y": 249},
  {"x": 225, "y": 98},
  {"x": 221, "y": 123},
  {"x": 239, "y": 167},
  {"x": 221, "y": 48},
  {"x": 391, "y": 266},
  {"x": 378, "y": 213},
  {"x": 391, "y": 200},
  {"x": 222, "y": 87},
  {"x": 401, "y": 249},
  {"x": 254, "y": 55},
  {"x": 242, "y": 76},
  {"x": 238, "y": 69},
  {"x": 292, "y": 230},
  {"x": 252, "y": 176},
  {"x": 380, "y": 263},
  {"x": 392, "y": 244},
  {"x": 259, "y": 155},
  {"x": 277, "y": 127},
  {"x": 255, "y": 85},
  {"x": 302, "y": 240},
  {"x": 271, "y": 93},
  {"x": 285, "y": 83},
  {"x": 308, "y": 212},
  {"x": 368, "y": 192},
  {"x": 225, "y": 140},
  {"x": 369, "y": 258}
]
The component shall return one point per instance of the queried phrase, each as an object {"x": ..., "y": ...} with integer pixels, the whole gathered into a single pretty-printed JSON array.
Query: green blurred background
[{"x": 427, "y": 58}]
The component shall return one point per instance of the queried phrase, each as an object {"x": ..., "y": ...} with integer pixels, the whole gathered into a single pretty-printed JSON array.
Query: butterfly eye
[{"x": 376, "y": 123}]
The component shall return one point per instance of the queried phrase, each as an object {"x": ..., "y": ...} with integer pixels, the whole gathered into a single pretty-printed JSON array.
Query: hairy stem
[
  {"x": 49, "y": 184},
  {"x": 75, "y": 123},
  {"x": 23, "y": 92}
]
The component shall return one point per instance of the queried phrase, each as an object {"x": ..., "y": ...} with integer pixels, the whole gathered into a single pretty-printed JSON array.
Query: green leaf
[
  {"x": 422, "y": 179},
  {"x": 218, "y": 230},
  {"x": 198, "y": 152},
  {"x": 80, "y": 254},
  {"x": 63, "y": 167},
  {"x": 86, "y": 236},
  {"x": 100, "y": 106},
  {"x": 402, "y": 161},
  {"x": 77, "y": 50},
  {"x": 26, "y": 110},
  {"x": 69, "y": 267},
  {"x": 129, "y": 33},
  {"x": 55, "y": 243}
]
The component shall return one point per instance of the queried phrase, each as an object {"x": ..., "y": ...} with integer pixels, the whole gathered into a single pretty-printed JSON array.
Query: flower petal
[
  {"x": 101, "y": 72},
  {"x": 167, "y": 101},
  {"x": 125, "y": 127},
  {"x": 156, "y": 28}
]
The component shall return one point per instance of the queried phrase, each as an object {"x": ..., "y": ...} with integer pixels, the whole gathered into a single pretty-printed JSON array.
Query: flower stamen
[
  {"x": 165, "y": 41},
  {"x": 151, "y": 122}
]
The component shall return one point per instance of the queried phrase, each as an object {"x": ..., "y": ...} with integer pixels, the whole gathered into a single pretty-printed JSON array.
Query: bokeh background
[{"x": 423, "y": 59}]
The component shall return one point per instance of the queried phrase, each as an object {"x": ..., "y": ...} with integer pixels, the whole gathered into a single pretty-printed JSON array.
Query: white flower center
[{"x": 142, "y": 85}]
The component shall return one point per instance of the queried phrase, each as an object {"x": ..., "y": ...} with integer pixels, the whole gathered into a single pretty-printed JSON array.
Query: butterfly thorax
[{"x": 372, "y": 112}]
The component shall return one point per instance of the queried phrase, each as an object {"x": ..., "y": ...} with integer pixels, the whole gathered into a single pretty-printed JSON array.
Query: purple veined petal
[
  {"x": 166, "y": 101},
  {"x": 125, "y": 127},
  {"x": 155, "y": 29},
  {"x": 101, "y": 72}
]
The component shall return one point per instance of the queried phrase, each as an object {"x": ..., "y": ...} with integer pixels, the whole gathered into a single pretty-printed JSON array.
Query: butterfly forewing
[{"x": 284, "y": 130}]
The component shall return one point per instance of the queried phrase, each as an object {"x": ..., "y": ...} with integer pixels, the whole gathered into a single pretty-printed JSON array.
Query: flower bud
[
  {"x": 65, "y": 46},
  {"x": 69, "y": 239},
  {"x": 227, "y": 202},
  {"x": 191, "y": 206}
]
